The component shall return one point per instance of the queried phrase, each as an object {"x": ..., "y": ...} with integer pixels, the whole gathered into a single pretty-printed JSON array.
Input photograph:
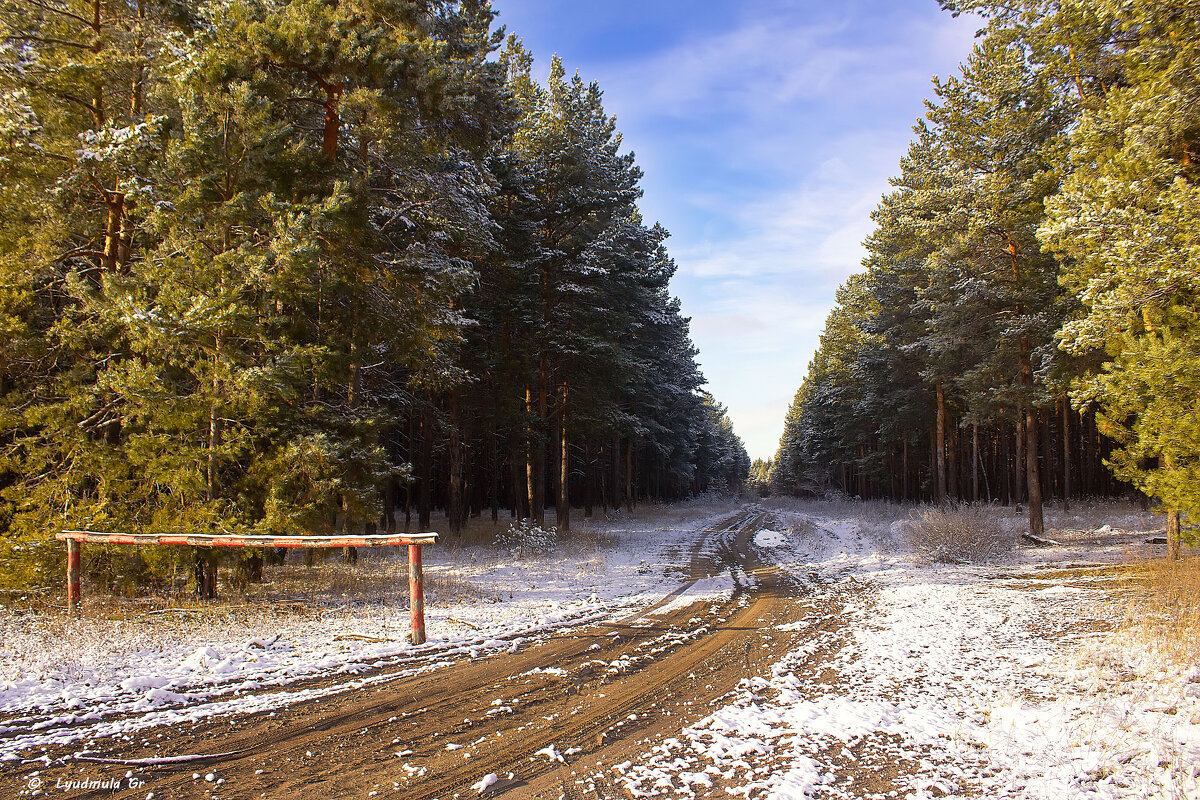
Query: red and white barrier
[{"x": 75, "y": 539}]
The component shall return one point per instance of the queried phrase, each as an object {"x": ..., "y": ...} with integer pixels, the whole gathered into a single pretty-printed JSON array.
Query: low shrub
[
  {"x": 524, "y": 537},
  {"x": 959, "y": 532}
]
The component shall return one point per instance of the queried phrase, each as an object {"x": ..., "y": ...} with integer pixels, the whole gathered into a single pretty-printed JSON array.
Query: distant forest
[
  {"x": 1028, "y": 322},
  {"x": 280, "y": 267}
]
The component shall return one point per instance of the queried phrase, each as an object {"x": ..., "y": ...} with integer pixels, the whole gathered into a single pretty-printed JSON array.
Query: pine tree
[
  {"x": 270, "y": 265},
  {"x": 1125, "y": 224},
  {"x": 83, "y": 130},
  {"x": 1002, "y": 124}
]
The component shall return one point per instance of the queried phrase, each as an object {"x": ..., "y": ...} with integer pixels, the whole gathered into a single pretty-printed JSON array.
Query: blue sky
[{"x": 767, "y": 131}]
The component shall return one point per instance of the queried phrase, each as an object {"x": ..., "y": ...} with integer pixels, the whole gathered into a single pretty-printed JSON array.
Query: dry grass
[
  {"x": 1165, "y": 607},
  {"x": 313, "y": 580},
  {"x": 958, "y": 532},
  {"x": 377, "y": 579}
]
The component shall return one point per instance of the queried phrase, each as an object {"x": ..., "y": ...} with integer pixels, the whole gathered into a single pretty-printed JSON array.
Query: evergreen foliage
[
  {"x": 281, "y": 267},
  {"x": 1027, "y": 312}
]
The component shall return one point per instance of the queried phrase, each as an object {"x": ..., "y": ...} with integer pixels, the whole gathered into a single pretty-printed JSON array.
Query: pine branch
[
  {"x": 29, "y": 37},
  {"x": 61, "y": 12}
]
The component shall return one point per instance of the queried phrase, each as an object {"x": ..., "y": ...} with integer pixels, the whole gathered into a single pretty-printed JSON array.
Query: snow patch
[{"x": 770, "y": 538}]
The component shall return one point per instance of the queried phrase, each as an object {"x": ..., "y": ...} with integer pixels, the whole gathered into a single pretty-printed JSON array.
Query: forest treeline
[
  {"x": 1027, "y": 324},
  {"x": 280, "y": 266}
]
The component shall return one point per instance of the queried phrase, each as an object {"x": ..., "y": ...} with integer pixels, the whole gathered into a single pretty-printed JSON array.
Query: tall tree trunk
[
  {"x": 529, "y": 471},
  {"x": 629, "y": 500},
  {"x": 540, "y": 451},
  {"x": 1005, "y": 459},
  {"x": 940, "y": 444},
  {"x": 425, "y": 486},
  {"x": 1087, "y": 483},
  {"x": 137, "y": 86},
  {"x": 493, "y": 468},
  {"x": 124, "y": 236},
  {"x": 563, "y": 506},
  {"x": 1066, "y": 454},
  {"x": 474, "y": 479},
  {"x": 603, "y": 476},
  {"x": 904, "y": 473},
  {"x": 1173, "y": 545},
  {"x": 333, "y": 121},
  {"x": 953, "y": 465},
  {"x": 1048, "y": 453},
  {"x": 389, "y": 506},
  {"x": 353, "y": 401},
  {"x": 114, "y": 226},
  {"x": 214, "y": 442},
  {"x": 983, "y": 469},
  {"x": 589, "y": 485},
  {"x": 1019, "y": 462},
  {"x": 1032, "y": 475},
  {"x": 214, "y": 422},
  {"x": 413, "y": 447},
  {"x": 975, "y": 462},
  {"x": 933, "y": 463},
  {"x": 455, "y": 502},
  {"x": 517, "y": 462},
  {"x": 616, "y": 473},
  {"x": 534, "y": 468}
]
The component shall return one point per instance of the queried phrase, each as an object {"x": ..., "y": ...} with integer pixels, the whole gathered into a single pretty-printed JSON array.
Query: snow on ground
[
  {"x": 769, "y": 538},
  {"x": 64, "y": 680},
  {"x": 994, "y": 681},
  {"x": 975, "y": 681}
]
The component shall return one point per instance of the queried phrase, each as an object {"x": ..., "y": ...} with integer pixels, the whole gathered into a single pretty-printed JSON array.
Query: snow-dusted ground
[
  {"x": 983, "y": 681},
  {"x": 66, "y": 681},
  {"x": 992, "y": 681}
]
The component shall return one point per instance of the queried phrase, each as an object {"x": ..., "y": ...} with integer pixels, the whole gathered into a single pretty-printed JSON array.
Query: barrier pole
[
  {"x": 73, "y": 591},
  {"x": 416, "y": 594}
]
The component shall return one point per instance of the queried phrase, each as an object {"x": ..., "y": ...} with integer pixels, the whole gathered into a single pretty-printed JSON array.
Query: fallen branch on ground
[
  {"x": 361, "y": 637},
  {"x": 173, "y": 611}
]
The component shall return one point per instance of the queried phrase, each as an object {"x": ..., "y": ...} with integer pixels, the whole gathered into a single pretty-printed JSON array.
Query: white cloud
[
  {"x": 766, "y": 144},
  {"x": 771, "y": 64}
]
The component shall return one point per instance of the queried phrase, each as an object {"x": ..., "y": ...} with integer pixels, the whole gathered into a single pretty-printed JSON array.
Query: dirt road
[{"x": 540, "y": 718}]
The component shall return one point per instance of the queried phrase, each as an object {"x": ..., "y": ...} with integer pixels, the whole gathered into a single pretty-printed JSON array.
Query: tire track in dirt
[{"x": 596, "y": 695}]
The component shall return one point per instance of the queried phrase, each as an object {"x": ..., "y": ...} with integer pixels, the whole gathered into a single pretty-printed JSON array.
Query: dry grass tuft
[
  {"x": 958, "y": 532},
  {"x": 449, "y": 586},
  {"x": 1165, "y": 607}
]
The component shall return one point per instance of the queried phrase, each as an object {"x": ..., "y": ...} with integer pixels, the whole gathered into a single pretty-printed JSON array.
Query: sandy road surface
[{"x": 574, "y": 703}]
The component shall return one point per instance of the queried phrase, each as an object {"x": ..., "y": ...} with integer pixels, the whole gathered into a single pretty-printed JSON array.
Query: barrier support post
[
  {"x": 73, "y": 591},
  {"x": 416, "y": 594}
]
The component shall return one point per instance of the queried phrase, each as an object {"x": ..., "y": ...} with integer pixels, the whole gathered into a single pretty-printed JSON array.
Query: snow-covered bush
[
  {"x": 524, "y": 537},
  {"x": 958, "y": 532}
]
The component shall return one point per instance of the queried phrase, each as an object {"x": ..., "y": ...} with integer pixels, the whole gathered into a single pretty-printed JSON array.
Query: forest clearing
[{"x": 777, "y": 649}]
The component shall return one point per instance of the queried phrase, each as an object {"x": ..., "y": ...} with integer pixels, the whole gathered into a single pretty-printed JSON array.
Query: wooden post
[
  {"x": 416, "y": 594},
  {"x": 1173, "y": 535},
  {"x": 73, "y": 592}
]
